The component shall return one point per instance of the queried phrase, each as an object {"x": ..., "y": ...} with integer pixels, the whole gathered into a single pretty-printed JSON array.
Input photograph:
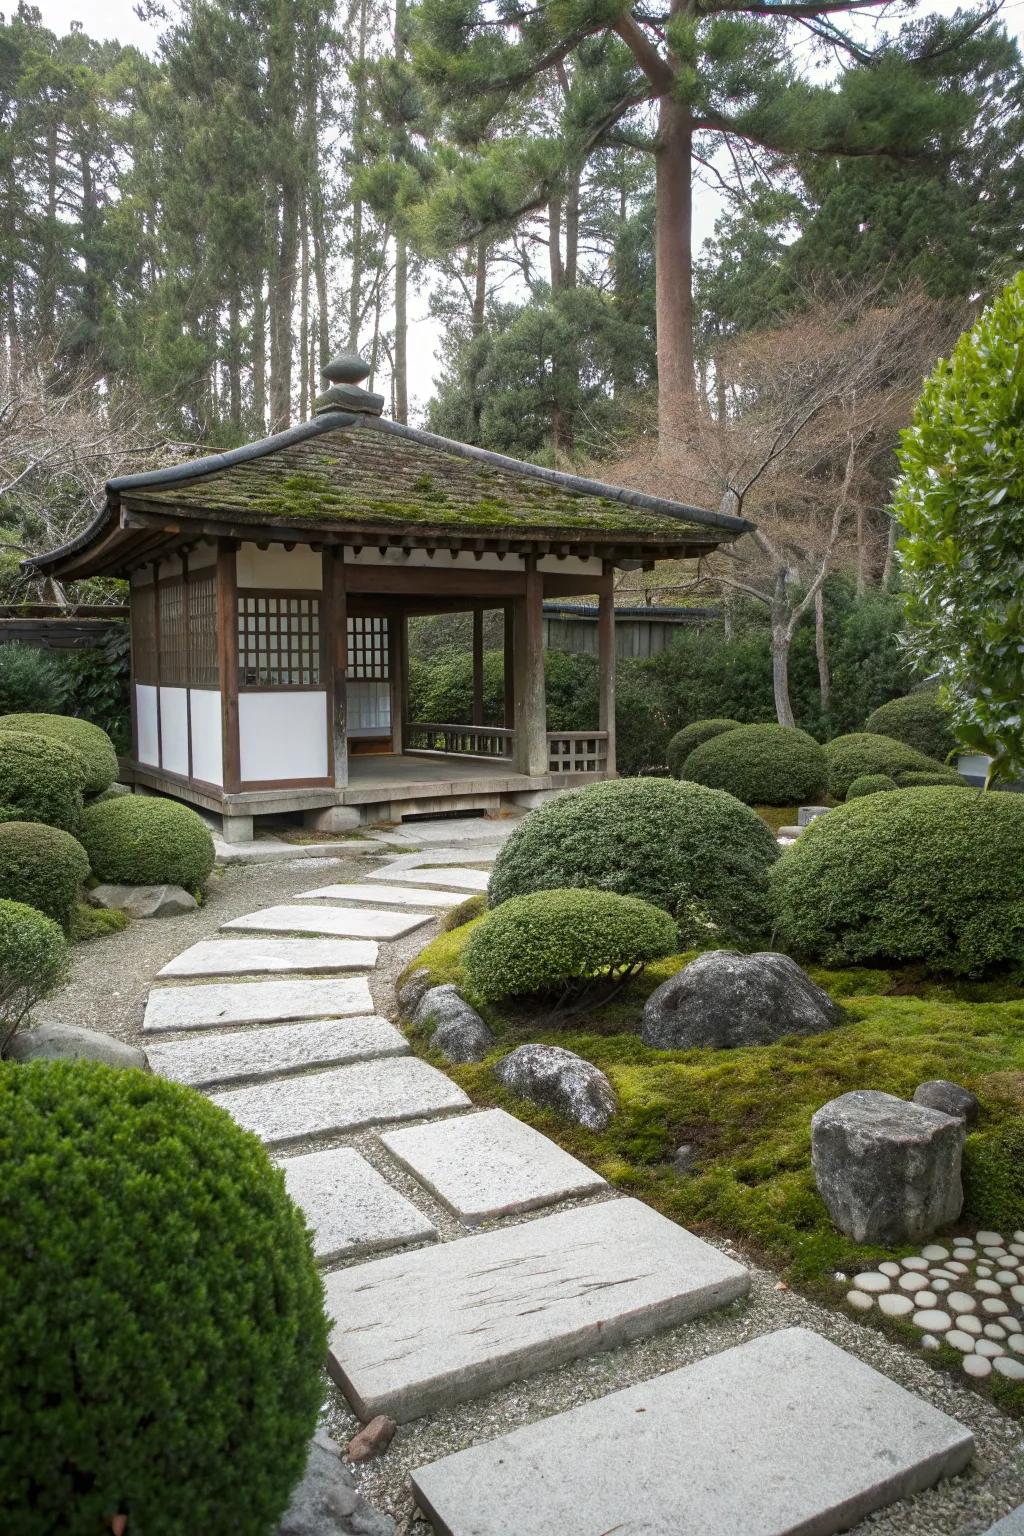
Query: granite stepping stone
[
  {"x": 343, "y": 1099},
  {"x": 490, "y": 1164},
  {"x": 249, "y": 957},
  {"x": 421, "y": 1331},
  {"x": 254, "y": 1002},
  {"x": 274, "y": 1051},
  {"x": 459, "y": 879},
  {"x": 341, "y": 922},
  {"x": 350, "y": 1206},
  {"x": 396, "y": 895},
  {"x": 786, "y": 1433}
]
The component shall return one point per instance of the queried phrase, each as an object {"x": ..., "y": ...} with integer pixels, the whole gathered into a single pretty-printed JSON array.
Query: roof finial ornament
[{"x": 344, "y": 375}]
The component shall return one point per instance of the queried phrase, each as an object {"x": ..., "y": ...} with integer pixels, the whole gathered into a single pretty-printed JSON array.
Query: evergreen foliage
[
  {"x": 92, "y": 744},
  {"x": 139, "y": 840},
  {"x": 690, "y": 737},
  {"x": 850, "y": 757},
  {"x": 42, "y": 866},
  {"x": 33, "y": 962},
  {"x": 994, "y": 1175},
  {"x": 761, "y": 765},
  {"x": 921, "y": 719},
  {"x": 30, "y": 679},
  {"x": 870, "y": 784},
  {"x": 40, "y": 780}
]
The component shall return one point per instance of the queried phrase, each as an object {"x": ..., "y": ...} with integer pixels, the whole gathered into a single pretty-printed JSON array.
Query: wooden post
[
  {"x": 156, "y": 659},
  {"x": 398, "y": 643},
  {"x": 509, "y": 689},
  {"x": 335, "y": 631},
  {"x": 186, "y": 622},
  {"x": 227, "y": 661},
  {"x": 478, "y": 666},
  {"x": 531, "y": 705},
  {"x": 606, "y": 665}
]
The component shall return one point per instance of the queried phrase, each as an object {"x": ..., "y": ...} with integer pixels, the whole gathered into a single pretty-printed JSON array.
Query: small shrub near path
[
  {"x": 43, "y": 867},
  {"x": 761, "y": 765},
  {"x": 93, "y": 745},
  {"x": 40, "y": 780},
  {"x": 692, "y": 736},
  {"x": 33, "y": 962},
  {"x": 139, "y": 840},
  {"x": 851, "y": 757}
]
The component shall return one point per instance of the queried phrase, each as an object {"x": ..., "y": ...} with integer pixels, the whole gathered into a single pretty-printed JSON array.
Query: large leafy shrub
[
  {"x": 139, "y": 840},
  {"x": 960, "y": 499},
  {"x": 560, "y": 942},
  {"x": 33, "y": 961},
  {"x": 850, "y": 757},
  {"x": 92, "y": 744},
  {"x": 99, "y": 682},
  {"x": 696, "y": 852},
  {"x": 920, "y": 720},
  {"x": 30, "y": 679},
  {"x": 761, "y": 765},
  {"x": 930, "y": 875},
  {"x": 41, "y": 866},
  {"x": 161, "y": 1318},
  {"x": 692, "y": 736},
  {"x": 870, "y": 784},
  {"x": 994, "y": 1175},
  {"x": 40, "y": 780}
]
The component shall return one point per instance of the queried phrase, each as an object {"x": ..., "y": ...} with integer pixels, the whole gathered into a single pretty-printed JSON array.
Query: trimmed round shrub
[
  {"x": 695, "y": 852},
  {"x": 870, "y": 784},
  {"x": 41, "y": 866},
  {"x": 138, "y": 840},
  {"x": 33, "y": 961},
  {"x": 692, "y": 736},
  {"x": 851, "y": 757},
  {"x": 40, "y": 780},
  {"x": 761, "y": 765},
  {"x": 93, "y": 745},
  {"x": 929, "y": 776},
  {"x": 559, "y": 942},
  {"x": 926, "y": 875},
  {"x": 919, "y": 720},
  {"x": 162, "y": 1333}
]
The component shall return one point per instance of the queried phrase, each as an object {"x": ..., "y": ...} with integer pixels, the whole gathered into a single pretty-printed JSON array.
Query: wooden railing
[
  {"x": 458, "y": 740},
  {"x": 577, "y": 751}
]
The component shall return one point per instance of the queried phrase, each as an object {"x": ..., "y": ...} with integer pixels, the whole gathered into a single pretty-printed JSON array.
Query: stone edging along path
[{"x": 787, "y": 1432}]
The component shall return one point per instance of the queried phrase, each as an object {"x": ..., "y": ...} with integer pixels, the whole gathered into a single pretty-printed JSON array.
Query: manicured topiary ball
[
  {"x": 40, "y": 780},
  {"x": 691, "y": 736},
  {"x": 925, "y": 875},
  {"x": 41, "y": 866},
  {"x": 851, "y": 757},
  {"x": 139, "y": 840},
  {"x": 33, "y": 961},
  {"x": 761, "y": 765},
  {"x": 870, "y": 784},
  {"x": 161, "y": 1318},
  {"x": 92, "y": 744},
  {"x": 919, "y": 720},
  {"x": 695, "y": 852}
]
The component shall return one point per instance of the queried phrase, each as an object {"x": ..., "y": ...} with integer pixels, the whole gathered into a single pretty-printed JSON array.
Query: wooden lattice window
[
  {"x": 368, "y": 653},
  {"x": 202, "y": 623},
  {"x": 144, "y": 634},
  {"x": 173, "y": 634},
  {"x": 278, "y": 641}
]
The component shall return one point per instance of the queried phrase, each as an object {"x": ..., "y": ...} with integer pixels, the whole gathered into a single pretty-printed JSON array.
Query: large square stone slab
[
  {"x": 274, "y": 1051},
  {"x": 250, "y": 957},
  {"x": 342, "y": 922},
  {"x": 254, "y": 1002},
  {"x": 344, "y": 1099},
  {"x": 452, "y": 877},
  {"x": 421, "y": 1331},
  {"x": 396, "y": 895},
  {"x": 786, "y": 1434},
  {"x": 349, "y": 1206},
  {"x": 490, "y": 1164}
]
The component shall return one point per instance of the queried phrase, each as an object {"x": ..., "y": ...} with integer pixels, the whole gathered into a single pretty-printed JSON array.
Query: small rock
[
  {"x": 940, "y": 1284},
  {"x": 560, "y": 1080},
  {"x": 372, "y": 1439},
  {"x": 1006, "y": 1276},
  {"x": 960, "y": 1301},
  {"x": 143, "y": 900},
  {"x": 326, "y": 1502},
  {"x": 890, "y": 1269},
  {"x": 68, "y": 1042},
  {"x": 968, "y": 1324},
  {"x": 995, "y": 1306},
  {"x": 457, "y": 1030},
  {"x": 1013, "y": 1369},
  {"x": 924, "y": 1299},
  {"x": 913, "y": 1282},
  {"x": 781, "y": 1285},
  {"x": 933, "y": 1321},
  {"x": 840, "y": 1278},
  {"x": 914, "y": 1262},
  {"x": 870, "y": 1280},
  {"x": 960, "y": 1340},
  {"x": 990, "y": 1238},
  {"x": 988, "y": 1348},
  {"x": 929, "y": 1341},
  {"x": 1016, "y": 1342},
  {"x": 684, "y": 1158},
  {"x": 957, "y": 1268},
  {"x": 410, "y": 992},
  {"x": 859, "y": 1299},
  {"x": 723, "y": 999},
  {"x": 895, "y": 1306},
  {"x": 988, "y": 1287},
  {"x": 975, "y": 1366},
  {"x": 949, "y": 1099},
  {"x": 808, "y": 813},
  {"x": 934, "y": 1253},
  {"x": 994, "y": 1331},
  {"x": 1017, "y": 1292}
]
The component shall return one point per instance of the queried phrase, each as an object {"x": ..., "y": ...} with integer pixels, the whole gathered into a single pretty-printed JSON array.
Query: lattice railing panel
[
  {"x": 577, "y": 751},
  {"x": 459, "y": 740}
]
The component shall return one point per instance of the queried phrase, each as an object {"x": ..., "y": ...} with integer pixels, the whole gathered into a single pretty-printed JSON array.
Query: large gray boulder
[
  {"x": 723, "y": 999},
  {"x": 410, "y": 992},
  {"x": 456, "y": 1029},
  {"x": 67, "y": 1042},
  {"x": 560, "y": 1080},
  {"x": 326, "y": 1502},
  {"x": 950, "y": 1098},
  {"x": 143, "y": 900},
  {"x": 888, "y": 1170}
]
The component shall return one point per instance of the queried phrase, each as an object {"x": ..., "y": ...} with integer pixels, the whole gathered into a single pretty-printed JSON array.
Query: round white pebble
[
  {"x": 959, "y": 1301},
  {"x": 988, "y": 1287},
  {"x": 995, "y": 1306},
  {"x": 895, "y": 1306},
  {"x": 968, "y": 1324},
  {"x": 989, "y": 1348},
  {"x": 959, "y": 1340},
  {"x": 996, "y": 1253},
  {"x": 984, "y": 1270},
  {"x": 965, "y": 1251},
  {"x": 890, "y": 1269},
  {"x": 934, "y": 1251},
  {"x": 994, "y": 1331},
  {"x": 929, "y": 1341},
  {"x": 1017, "y": 1292},
  {"x": 871, "y": 1281},
  {"x": 1006, "y": 1276},
  {"x": 914, "y": 1263},
  {"x": 988, "y": 1238},
  {"x": 974, "y": 1365},
  {"x": 1014, "y": 1369},
  {"x": 1016, "y": 1342},
  {"x": 860, "y": 1299},
  {"x": 940, "y": 1285},
  {"x": 1018, "y": 1249},
  {"x": 925, "y": 1299},
  {"x": 942, "y": 1273},
  {"x": 958, "y": 1269},
  {"x": 912, "y": 1282},
  {"x": 1018, "y": 1237},
  {"x": 934, "y": 1322}
]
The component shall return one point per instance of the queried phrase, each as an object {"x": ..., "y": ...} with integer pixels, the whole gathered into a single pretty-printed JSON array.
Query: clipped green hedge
[
  {"x": 761, "y": 765},
  {"x": 139, "y": 840},
  {"x": 927, "y": 777},
  {"x": 926, "y": 875},
  {"x": 851, "y": 757},
  {"x": 162, "y": 1334},
  {"x": 558, "y": 942},
  {"x": 695, "y": 852},
  {"x": 43, "y": 867},
  {"x": 919, "y": 720},
  {"x": 33, "y": 961},
  {"x": 870, "y": 784},
  {"x": 40, "y": 780},
  {"x": 692, "y": 736},
  {"x": 93, "y": 746},
  {"x": 994, "y": 1176}
]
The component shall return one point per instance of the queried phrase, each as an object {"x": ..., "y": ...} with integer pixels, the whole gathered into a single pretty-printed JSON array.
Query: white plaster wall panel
[
  {"x": 442, "y": 561},
  {"x": 207, "y": 749},
  {"x": 143, "y": 577},
  {"x": 170, "y": 567},
  {"x": 572, "y": 565},
  {"x": 174, "y": 730},
  {"x": 145, "y": 722},
  {"x": 202, "y": 554},
  {"x": 282, "y": 735},
  {"x": 279, "y": 569}
]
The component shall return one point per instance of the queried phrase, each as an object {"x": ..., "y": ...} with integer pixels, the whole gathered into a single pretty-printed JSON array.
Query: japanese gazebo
[{"x": 270, "y": 592}]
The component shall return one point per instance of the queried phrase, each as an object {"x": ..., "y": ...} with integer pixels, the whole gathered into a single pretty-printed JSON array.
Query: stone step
[
  {"x": 249, "y": 957},
  {"x": 482, "y": 853},
  {"x": 418, "y": 1332},
  {"x": 782, "y": 1435},
  {"x": 349, "y": 1206},
  {"x": 274, "y": 1051},
  {"x": 453, "y": 877},
  {"x": 343, "y": 1099},
  {"x": 341, "y": 922},
  {"x": 395, "y": 895},
  {"x": 490, "y": 1164},
  {"x": 449, "y": 831},
  {"x": 254, "y": 1002}
]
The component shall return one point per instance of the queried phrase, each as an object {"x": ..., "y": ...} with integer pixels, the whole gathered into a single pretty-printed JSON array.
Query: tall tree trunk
[
  {"x": 555, "y": 243},
  {"x": 401, "y": 330},
  {"x": 572, "y": 230},
  {"x": 862, "y": 553},
  {"x": 890, "y": 553},
  {"x": 304, "y": 377},
  {"x": 46, "y": 301},
  {"x": 821, "y": 651},
  {"x": 480, "y": 287},
  {"x": 319, "y": 234},
  {"x": 282, "y": 303},
  {"x": 673, "y": 230},
  {"x": 781, "y": 641},
  {"x": 358, "y": 130},
  {"x": 234, "y": 364},
  {"x": 259, "y": 358}
]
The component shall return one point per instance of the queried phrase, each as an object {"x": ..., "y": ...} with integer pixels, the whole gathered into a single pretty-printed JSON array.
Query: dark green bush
[
  {"x": 30, "y": 679},
  {"x": 99, "y": 681},
  {"x": 994, "y": 1176},
  {"x": 930, "y": 776},
  {"x": 919, "y": 720},
  {"x": 457, "y": 917},
  {"x": 870, "y": 784},
  {"x": 928, "y": 875},
  {"x": 695, "y": 852},
  {"x": 40, "y": 780},
  {"x": 559, "y": 942},
  {"x": 850, "y": 757},
  {"x": 93, "y": 746},
  {"x": 139, "y": 840},
  {"x": 33, "y": 961},
  {"x": 761, "y": 765},
  {"x": 692, "y": 736},
  {"x": 42, "y": 866},
  {"x": 162, "y": 1334}
]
